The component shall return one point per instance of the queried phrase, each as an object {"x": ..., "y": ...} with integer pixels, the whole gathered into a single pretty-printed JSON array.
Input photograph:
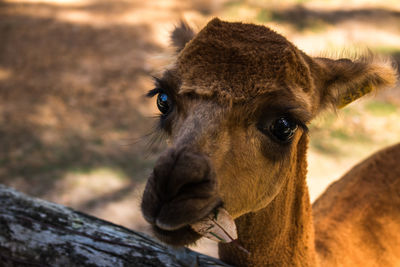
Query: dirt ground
[{"x": 74, "y": 123}]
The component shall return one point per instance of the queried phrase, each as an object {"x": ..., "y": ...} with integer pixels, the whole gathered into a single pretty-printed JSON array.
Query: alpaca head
[{"x": 235, "y": 106}]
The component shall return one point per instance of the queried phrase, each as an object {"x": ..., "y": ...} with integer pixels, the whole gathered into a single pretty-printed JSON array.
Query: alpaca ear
[
  {"x": 181, "y": 35},
  {"x": 342, "y": 81}
]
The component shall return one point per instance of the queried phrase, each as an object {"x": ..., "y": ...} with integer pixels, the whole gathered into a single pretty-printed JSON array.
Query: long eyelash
[
  {"x": 161, "y": 86},
  {"x": 153, "y": 92},
  {"x": 157, "y": 87},
  {"x": 302, "y": 126},
  {"x": 152, "y": 140},
  {"x": 298, "y": 121}
]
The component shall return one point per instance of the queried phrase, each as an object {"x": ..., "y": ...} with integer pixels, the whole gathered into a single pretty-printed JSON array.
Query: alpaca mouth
[
  {"x": 176, "y": 215},
  {"x": 179, "y": 237},
  {"x": 180, "y": 234}
]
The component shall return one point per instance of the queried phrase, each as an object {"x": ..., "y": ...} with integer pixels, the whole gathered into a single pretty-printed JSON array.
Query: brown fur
[
  {"x": 357, "y": 219},
  {"x": 284, "y": 227},
  {"x": 181, "y": 36},
  {"x": 344, "y": 77},
  {"x": 240, "y": 62},
  {"x": 226, "y": 82}
]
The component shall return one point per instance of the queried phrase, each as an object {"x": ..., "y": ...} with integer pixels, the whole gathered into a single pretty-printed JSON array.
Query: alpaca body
[{"x": 357, "y": 219}]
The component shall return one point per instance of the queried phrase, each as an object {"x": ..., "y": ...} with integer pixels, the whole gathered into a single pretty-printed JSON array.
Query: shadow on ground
[
  {"x": 71, "y": 100},
  {"x": 303, "y": 18}
]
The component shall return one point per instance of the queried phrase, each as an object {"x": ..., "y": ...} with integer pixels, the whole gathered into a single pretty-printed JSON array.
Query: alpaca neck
[{"x": 282, "y": 233}]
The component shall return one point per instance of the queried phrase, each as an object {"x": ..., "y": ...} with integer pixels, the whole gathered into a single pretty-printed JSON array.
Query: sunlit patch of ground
[
  {"x": 339, "y": 141},
  {"x": 53, "y": 2},
  {"x": 73, "y": 74},
  {"x": 103, "y": 192},
  {"x": 5, "y": 74}
]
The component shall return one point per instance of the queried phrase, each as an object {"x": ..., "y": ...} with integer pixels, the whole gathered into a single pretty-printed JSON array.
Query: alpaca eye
[
  {"x": 283, "y": 129},
  {"x": 163, "y": 103}
]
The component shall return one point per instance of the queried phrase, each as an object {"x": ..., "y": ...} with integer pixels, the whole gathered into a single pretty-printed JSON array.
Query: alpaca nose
[
  {"x": 181, "y": 189},
  {"x": 179, "y": 171}
]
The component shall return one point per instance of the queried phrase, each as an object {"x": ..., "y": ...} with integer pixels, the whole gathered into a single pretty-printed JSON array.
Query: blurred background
[{"x": 73, "y": 119}]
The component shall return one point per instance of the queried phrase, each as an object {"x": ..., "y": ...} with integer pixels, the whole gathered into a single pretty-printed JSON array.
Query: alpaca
[
  {"x": 235, "y": 106},
  {"x": 357, "y": 219}
]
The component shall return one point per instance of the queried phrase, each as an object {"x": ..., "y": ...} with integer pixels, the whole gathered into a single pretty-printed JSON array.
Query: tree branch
[{"x": 35, "y": 232}]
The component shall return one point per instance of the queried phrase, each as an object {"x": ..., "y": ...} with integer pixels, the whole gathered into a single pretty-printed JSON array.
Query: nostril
[
  {"x": 190, "y": 170},
  {"x": 164, "y": 164},
  {"x": 177, "y": 168},
  {"x": 201, "y": 189}
]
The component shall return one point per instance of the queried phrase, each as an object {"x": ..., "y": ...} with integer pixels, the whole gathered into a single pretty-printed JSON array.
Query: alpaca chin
[{"x": 181, "y": 237}]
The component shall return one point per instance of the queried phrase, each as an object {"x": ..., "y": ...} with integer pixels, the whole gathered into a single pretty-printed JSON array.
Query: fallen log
[{"x": 35, "y": 232}]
